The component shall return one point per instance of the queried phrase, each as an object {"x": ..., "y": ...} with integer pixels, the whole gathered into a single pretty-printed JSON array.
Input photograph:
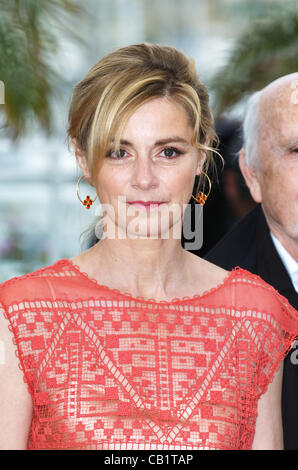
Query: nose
[{"x": 144, "y": 174}]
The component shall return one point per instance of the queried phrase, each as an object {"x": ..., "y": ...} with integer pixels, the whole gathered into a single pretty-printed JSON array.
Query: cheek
[
  {"x": 173, "y": 182},
  {"x": 178, "y": 184},
  {"x": 278, "y": 180},
  {"x": 271, "y": 180},
  {"x": 110, "y": 184},
  {"x": 178, "y": 180},
  {"x": 280, "y": 189}
]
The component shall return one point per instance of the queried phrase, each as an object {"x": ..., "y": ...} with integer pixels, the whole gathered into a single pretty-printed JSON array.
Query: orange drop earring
[
  {"x": 87, "y": 201},
  {"x": 202, "y": 197}
]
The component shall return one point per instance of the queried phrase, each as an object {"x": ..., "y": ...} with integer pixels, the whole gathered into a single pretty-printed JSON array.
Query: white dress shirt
[{"x": 289, "y": 263}]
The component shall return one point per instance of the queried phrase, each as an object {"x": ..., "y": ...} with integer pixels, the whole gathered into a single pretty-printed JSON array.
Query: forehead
[
  {"x": 279, "y": 115},
  {"x": 158, "y": 116}
]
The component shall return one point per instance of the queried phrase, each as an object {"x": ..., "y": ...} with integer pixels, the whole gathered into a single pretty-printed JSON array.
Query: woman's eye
[
  {"x": 117, "y": 154},
  {"x": 170, "y": 152}
]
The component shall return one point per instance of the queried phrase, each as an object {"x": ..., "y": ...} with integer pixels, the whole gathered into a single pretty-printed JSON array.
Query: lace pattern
[{"x": 109, "y": 371}]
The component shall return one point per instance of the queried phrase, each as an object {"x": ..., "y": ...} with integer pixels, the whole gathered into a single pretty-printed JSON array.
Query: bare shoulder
[
  {"x": 216, "y": 273},
  {"x": 207, "y": 273},
  {"x": 83, "y": 260}
]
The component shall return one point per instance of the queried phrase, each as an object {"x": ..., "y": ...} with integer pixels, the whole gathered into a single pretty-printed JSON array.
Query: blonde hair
[{"x": 124, "y": 80}]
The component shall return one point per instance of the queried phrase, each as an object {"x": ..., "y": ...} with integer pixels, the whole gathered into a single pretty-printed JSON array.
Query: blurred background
[{"x": 46, "y": 46}]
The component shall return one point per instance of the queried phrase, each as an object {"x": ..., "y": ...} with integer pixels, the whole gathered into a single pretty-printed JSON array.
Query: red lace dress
[{"x": 109, "y": 371}]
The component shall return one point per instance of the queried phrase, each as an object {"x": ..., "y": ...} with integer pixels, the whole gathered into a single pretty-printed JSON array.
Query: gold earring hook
[{"x": 87, "y": 201}]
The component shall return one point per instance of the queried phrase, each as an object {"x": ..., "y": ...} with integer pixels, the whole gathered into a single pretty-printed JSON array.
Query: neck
[{"x": 148, "y": 268}]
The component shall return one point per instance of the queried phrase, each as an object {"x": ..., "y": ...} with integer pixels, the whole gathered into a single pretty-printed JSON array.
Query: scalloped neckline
[{"x": 128, "y": 295}]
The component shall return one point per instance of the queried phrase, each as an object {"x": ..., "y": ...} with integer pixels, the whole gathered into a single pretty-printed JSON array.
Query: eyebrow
[{"x": 165, "y": 141}]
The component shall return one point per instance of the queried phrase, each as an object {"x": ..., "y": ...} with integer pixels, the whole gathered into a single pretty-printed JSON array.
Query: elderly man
[{"x": 265, "y": 242}]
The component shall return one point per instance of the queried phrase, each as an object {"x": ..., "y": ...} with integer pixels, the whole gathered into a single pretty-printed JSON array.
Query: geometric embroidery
[{"x": 109, "y": 371}]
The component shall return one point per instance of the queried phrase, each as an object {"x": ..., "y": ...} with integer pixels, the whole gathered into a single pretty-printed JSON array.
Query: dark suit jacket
[{"x": 249, "y": 245}]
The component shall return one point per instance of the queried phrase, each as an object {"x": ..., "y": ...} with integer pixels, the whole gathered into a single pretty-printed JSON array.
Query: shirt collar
[{"x": 290, "y": 264}]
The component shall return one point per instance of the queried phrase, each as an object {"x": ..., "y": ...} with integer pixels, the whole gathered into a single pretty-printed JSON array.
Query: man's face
[{"x": 277, "y": 174}]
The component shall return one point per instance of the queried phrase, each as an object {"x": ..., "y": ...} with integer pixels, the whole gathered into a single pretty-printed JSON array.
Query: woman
[{"x": 136, "y": 343}]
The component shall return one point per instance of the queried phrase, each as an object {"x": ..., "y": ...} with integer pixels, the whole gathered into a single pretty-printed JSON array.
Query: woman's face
[{"x": 156, "y": 162}]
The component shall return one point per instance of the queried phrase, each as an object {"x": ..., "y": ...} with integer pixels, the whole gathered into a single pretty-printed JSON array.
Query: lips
[{"x": 146, "y": 203}]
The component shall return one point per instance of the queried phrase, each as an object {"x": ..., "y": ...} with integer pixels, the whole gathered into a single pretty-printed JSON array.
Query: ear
[
  {"x": 251, "y": 177},
  {"x": 82, "y": 160},
  {"x": 202, "y": 155},
  {"x": 200, "y": 164}
]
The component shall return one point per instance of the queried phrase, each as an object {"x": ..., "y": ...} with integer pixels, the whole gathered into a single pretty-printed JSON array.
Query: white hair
[{"x": 251, "y": 129}]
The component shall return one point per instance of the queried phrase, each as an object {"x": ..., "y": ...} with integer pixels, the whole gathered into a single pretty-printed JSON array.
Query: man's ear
[
  {"x": 82, "y": 160},
  {"x": 251, "y": 177}
]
